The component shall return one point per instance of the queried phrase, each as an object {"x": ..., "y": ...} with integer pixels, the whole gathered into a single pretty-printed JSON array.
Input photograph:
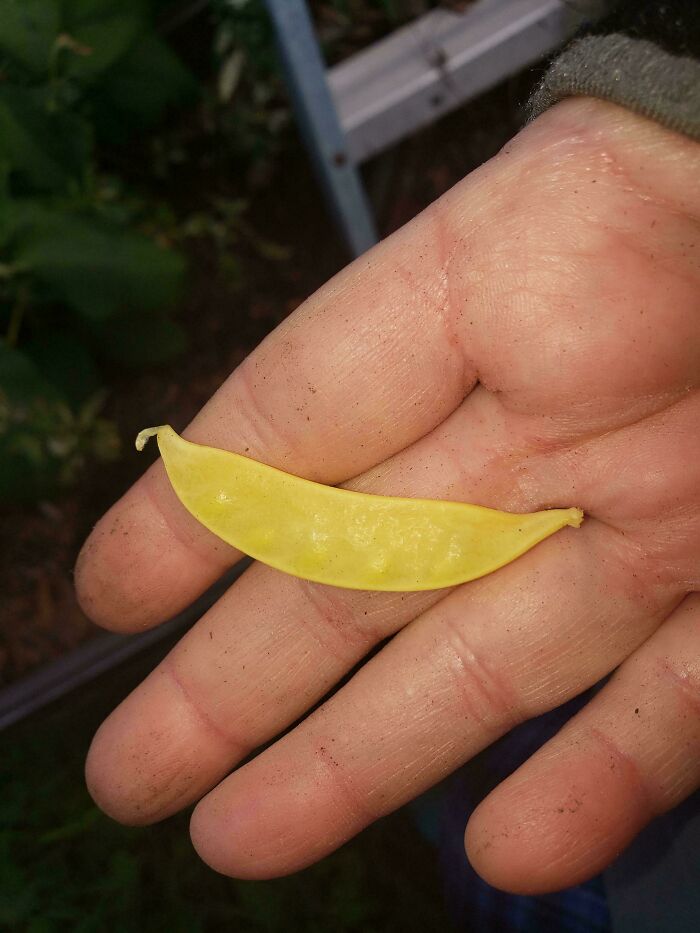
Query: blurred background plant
[
  {"x": 91, "y": 252},
  {"x": 67, "y": 867},
  {"x": 80, "y": 282}
]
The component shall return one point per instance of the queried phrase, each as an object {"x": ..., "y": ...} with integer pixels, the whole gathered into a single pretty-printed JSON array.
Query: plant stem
[{"x": 16, "y": 317}]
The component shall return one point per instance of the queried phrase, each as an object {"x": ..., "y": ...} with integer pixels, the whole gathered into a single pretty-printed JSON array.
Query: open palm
[{"x": 531, "y": 340}]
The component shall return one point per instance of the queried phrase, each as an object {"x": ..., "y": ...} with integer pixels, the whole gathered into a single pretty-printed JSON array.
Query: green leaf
[
  {"x": 45, "y": 150},
  {"x": 20, "y": 379},
  {"x": 65, "y": 362},
  {"x": 88, "y": 11},
  {"x": 94, "y": 267},
  {"x": 29, "y": 29},
  {"x": 43, "y": 443},
  {"x": 139, "y": 340},
  {"x": 17, "y": 215},
  {"x": 148, "y": 80},
  {"x": 23, "y": 470},
  {"x": 106, "y": 29}
]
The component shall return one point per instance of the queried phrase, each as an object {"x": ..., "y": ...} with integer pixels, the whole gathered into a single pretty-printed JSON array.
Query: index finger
[{"x": 366, "y": 366}]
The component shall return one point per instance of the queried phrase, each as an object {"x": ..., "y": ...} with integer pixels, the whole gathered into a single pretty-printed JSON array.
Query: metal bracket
[{"x": 318, "y": 121}]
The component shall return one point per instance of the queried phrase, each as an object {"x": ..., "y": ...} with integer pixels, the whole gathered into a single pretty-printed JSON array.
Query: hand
[{"x": 531, "y": 340}]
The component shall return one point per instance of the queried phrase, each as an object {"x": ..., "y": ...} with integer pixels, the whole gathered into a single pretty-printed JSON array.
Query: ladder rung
[{"x": 441, "y": 60}]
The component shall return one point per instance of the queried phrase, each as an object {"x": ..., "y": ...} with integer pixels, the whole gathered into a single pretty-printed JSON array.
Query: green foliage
[
  {"x": 79, "y": 281},
  {"x": 225, "y": 226},
  {"x": 90, "y": 265},
  {"x": 149, "y": 79},
  {"x": 253, "y": 113},
  {"x": 43, "y": 439},
  {"x": 40, "y": 149}
]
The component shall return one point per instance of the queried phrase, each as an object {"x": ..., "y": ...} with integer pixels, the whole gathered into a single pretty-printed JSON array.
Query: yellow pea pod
[{"x": 340, "y": 537}]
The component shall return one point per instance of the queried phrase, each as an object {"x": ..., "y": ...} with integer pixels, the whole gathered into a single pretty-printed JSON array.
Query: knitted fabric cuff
[{"x": 634, "y": 73}]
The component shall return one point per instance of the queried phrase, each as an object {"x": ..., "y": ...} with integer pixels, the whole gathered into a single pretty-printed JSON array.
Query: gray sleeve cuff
[{"x": 631, "y": 72}]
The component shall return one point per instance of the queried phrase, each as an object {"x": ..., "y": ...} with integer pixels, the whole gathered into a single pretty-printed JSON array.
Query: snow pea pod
[{"x": 340, "y": 537}]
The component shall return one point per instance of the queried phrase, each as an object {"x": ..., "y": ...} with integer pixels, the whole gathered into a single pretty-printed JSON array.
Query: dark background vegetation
[
  {"x": 66, "y": 867},
  {"x": 157, "y": 219}
]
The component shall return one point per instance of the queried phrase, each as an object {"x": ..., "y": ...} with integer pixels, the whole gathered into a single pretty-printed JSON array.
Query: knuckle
[
  {"x": 484, "y": 693},
  {"x": 332, "y": 620}
]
